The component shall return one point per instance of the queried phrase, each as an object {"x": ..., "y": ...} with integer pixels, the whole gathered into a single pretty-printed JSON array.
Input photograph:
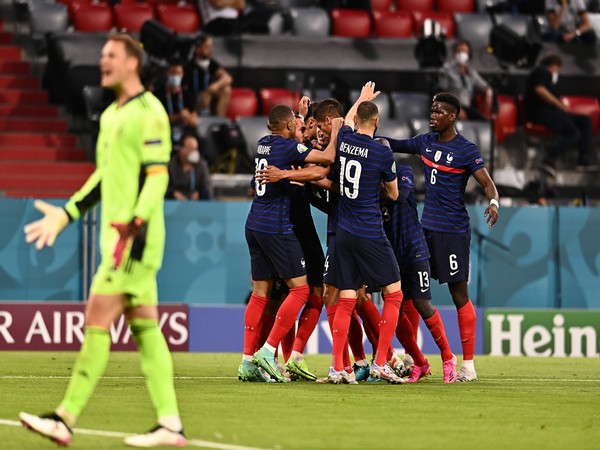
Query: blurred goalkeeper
[{"x": 131, "y": 178}]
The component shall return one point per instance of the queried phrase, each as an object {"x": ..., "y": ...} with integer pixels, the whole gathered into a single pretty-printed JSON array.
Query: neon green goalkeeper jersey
[{"x": 132, "y": 154}]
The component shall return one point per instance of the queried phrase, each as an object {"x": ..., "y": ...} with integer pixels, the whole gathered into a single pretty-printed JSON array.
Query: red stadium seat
[
  {"x": 445, "y": 19},
  {"x": 181, "y": 19},
  {"x": 381, "y": 5},
  {"x": 131, "y": 16},
  {"x": 352, "y": 23},
  {"x": 244, "y": 103},
  {"x": 393, "y": 24},
  {"x": 585, "y": 105},
  {"x": 414, "y": 5},
  {"x": 270, "y": 97},
  {"x": 506, "y": 118},
  {"x": 91, "y": 18},
  {"x": 72, "y": 4},
  {"x": 456, "y": 6},
  {"x": 532, "y": 129}
]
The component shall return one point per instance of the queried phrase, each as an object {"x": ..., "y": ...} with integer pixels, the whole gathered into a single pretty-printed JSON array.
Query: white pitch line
[{"x": 115, "y": 434}]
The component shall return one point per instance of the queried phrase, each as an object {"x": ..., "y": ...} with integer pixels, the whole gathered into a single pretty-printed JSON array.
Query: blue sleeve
[
  {"x": 388, "y": 167},
  {"x": 297, "y": 152},
  {"x": 405, "y": 183},
  {"x": 404, "y": 145},
  {"x": 474, "y": 160}
]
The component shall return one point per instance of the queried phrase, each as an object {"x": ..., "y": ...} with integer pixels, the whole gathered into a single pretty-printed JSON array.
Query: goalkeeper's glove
[
  {"x": 126, "y": 232},
  {"x": 45, "y": 230}
]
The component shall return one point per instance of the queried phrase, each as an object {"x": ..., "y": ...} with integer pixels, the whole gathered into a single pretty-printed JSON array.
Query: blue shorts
[
  {"x": 275, "y": 256},
  {"x": 313, "y": 254},
  {"x": 416, "y": 279},
  {"x": 450, "y": 254},
  {"x": 359, "y": 259},
  {"x": 329, "y": 266}
]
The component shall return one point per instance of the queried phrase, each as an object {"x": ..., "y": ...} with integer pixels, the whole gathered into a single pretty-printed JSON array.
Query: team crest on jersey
[
  {"x": 394, "y": 167},
  {"x": 303, "y": 263},
  {"x": 301, "y": 148},
  {"x": 449, "y": 158},
  {"x": 437, "y": 156}
]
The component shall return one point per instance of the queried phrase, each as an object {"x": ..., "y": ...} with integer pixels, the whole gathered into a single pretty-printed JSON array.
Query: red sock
[
  {"x": 387, "y": 327},
  {"x": 438, "y": 333},
  {"x": 346, "y": 358},
  {"x": 287, "y": 343},
  {"x": 287, "y": 314},
  {"x": 406, "y": 336},
  {"x": 412, "y": 314},
  {"x": 341, "y": 324},
  {"x": 467, "y": 321},
  {"x": 267, "y": 324},
  {"x": 355, "y": 337},
  {"x": 370, "y": 316},
  {"x": 252, "y": 322},
  {"x": 308, "y": 322},
  {"x": 331, "y": 310}
]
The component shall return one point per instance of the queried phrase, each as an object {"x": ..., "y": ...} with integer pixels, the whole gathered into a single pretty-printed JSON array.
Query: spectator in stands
[
  {"x": 568, "y": 21},
  {"x": 209, "y": 81},
  {"x": 465, "y": 82},
  {"x": 543, "y": 106},
  {"x": 221, "y": 17},
  {"x": 189, "y": 177},
  {"x": 178, "y": 101}
]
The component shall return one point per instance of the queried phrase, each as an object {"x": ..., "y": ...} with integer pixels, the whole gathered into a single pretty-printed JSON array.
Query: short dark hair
[
  {"x": 312, "y": 107},
  {"x": 329, "y": 107},
  {"x": 551, "y": 59},
  {"x": 450, "y": 99},
  {"x": 279, "y": 116},
  {"x": 367, "y": 111},
  {"x": 461, "y": 42},
  {"x": 133, "y": 48}
]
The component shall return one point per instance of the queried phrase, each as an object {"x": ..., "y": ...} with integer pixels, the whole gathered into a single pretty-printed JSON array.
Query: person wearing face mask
[
  {"x": 189, "y": 177},
  {"x": 466, "y": 83},
  {"x": 208, "y": 80},
  {"x": 543, "y": 106},
  {"x": 178, "y": 101}
]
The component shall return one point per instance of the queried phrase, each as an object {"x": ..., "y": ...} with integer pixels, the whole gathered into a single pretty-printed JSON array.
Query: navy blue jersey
[
  {"x": 448, "y": 166},
  {"x": 401, "y": 222},
  {"x": 270, "y": 211},
  {"x": 364, "y": 162}
]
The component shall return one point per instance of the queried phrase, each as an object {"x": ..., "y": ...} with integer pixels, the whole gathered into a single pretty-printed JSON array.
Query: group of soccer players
[{"x": 374, "y": 241}]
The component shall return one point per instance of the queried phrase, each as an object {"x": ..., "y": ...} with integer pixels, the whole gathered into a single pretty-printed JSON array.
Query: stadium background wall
[{"x": 552, "y": 258}]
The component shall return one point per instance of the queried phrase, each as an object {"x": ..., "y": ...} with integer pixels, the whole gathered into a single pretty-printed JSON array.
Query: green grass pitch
[{"x": 517, "y": 403}]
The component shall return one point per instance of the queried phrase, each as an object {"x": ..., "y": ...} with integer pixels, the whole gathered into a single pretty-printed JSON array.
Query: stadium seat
[
  {"x": 474, "y": 28},
  {"x": 92, "y": 18},
  {"x": 394, "y": 129},
  {"x": 131, "y": 16},
  {"x": 270, "y": 97},
  {"x": 456, "y": 6},
  {"x": 72, "y": 4},
  {"x": 209, "y": 146},
  {"x": 46, "y": 18},
  {"x": 310, "y": 22},
  {"x": 410, "y": 105},
  {"x": 253, "y": 128},
  {"x": 521, "y": 24},
  {"x": 585, "y": 105},
  {"x": 414, "y": 5},
  {"x": 479, "y": 132},
  {"x": 382, "y": 101},
  {"x": 350, "y": 23},
  {"x": 179, "y": 18},
  {"x": 243, "y": 103},
  {"x": 381, "y": 6},
  {"x": 445, "y": 19},
  {"x": 506, "y": 118},
  {"x": 393, "y": 24}
]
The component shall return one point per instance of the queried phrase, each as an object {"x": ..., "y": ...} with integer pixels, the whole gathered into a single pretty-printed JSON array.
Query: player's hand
[
  {"x": 491, "y": 214},
  {"x": 127, "y": 231},
  {"x": 270, "y": 174},
  {"x": 45, "y": 230},
  {"x": 336, "y": 124},
  {"x": 303, "y": 106},
  {"x": 367, "y": 92}
]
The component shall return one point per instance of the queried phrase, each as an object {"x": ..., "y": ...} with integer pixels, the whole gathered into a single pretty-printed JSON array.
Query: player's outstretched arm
[
  {"x": 273, "y": 174},
  {"x": 45, "y": 230},
  {"x": 367, "y": 93},
  {"x": 485, "y": 181}
]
